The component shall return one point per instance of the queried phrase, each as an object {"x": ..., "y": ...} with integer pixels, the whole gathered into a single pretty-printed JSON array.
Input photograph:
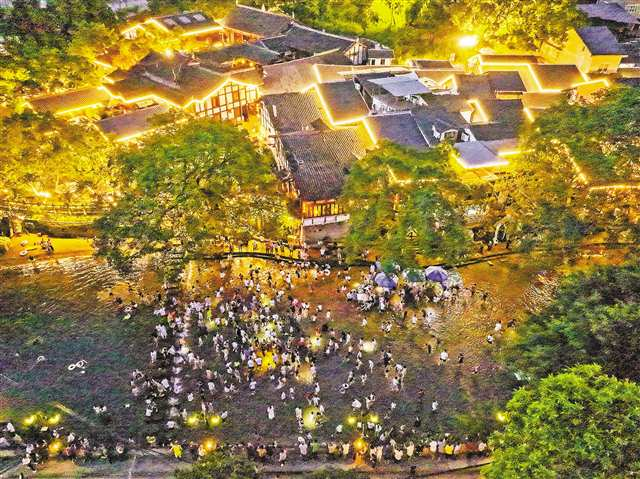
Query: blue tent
[
  {"x": 436, "y": 273},
  {"x": 384, "y": 281}
]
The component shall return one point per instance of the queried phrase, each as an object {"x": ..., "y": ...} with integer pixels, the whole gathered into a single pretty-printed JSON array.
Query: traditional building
[
  {"x": 189, "y": 24},
  {"x": 590, "y": 49},
  {"x": 183, "y": 82}
]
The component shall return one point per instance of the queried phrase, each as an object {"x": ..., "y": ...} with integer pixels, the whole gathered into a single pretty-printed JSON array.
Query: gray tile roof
[
  {"x": 610, "y": 12},
  {"x": 380, "y": 53},
  {"x": 425, "y": 64},
  {"x": 256, "y": 22},
  {"x": 600, "y": 41},
  {"x": 138, "y": 121},
  {"x": 297, "y": 75},
  {"x": 320, "y": 160},
  {"x": 291, "y": 112},
  {"x": 308, "y": 41},
  {"x": 69, "y": 100},
  {"x": 191, "y": 21},
  {"x": 343, "y": 100},
  {"x": 428, "y": 118},
  {"x": 505, "y": 82},
  {"x": 254, "y": 52},
  {"x": 400, "y": 128}
]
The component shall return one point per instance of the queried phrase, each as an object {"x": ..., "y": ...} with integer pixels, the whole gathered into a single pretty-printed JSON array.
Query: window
[{"x": 184, "y": 20}]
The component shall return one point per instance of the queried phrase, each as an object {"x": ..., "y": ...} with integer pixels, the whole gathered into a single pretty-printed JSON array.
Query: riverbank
[{"x": 62, "y": 248}]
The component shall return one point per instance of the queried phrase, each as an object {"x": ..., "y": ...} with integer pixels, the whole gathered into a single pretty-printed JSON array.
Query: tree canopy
[
  {"x": 36, "y": 43},
  {"x": 218, "y": 465},
  {"x": 548, "y": 199},
  {"x": 433, "y": 27},
  {"x": 405, "y": 205},
  {"x": 186, "y": 185},
  {"x": 44, "y": 158},
  {"x": 576, "y": 424},
  {"x": 595, "y": 317}
]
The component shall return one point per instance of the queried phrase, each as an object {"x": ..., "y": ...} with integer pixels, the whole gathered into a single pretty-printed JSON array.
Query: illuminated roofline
[
  {"x": 476, "y": 102},
  {"x": 153, "y": 96},
  {"x": 215, "y": 28}
]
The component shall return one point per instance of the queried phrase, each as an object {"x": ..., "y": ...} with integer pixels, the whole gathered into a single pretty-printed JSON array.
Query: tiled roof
[
  {"x": 401, "y": 85},
  {"x": 69, "y": 100},
  {"x": 425, "y": 64},
  {"x": 428, "y": 118},
  {"x": 506, "y": 58},
  {"x": 334, "y": 73},
  {"x": 256, "y": 53},
  {"x": 343, "y": 100},
  {"x": 291, "y": 112},
  {"x": 474, "y": 86},
  {"x": 308, "y": 41},
  {"x": 483, "y": 154},
  {"x": 188, "y": 22},
  {"x": 136, "y": 122},
  {"x": 400, "y": 128},
  {"x": 505, "y": 82},
  {"x": 380, "y": 53},
  {"x": 504, "y": 111},
  {"x": 320, "y": 160},
  {"x": 558, "y": 77},
  {"x": 297, "y": 75},
  {"x": 600, "y": 41},
  {"x": 179, "y": 79},
  {"x": 256, "y": 22},
  {"x": 610, "y": 12},
  {"x": 542, "y": 100}
]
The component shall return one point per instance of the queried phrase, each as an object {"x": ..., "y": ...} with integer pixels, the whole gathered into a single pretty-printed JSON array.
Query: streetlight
[{"x": 468, "y": 41}]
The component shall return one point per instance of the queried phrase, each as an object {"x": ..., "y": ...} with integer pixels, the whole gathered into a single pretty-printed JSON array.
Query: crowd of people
[{"x": 249, "y": 332}]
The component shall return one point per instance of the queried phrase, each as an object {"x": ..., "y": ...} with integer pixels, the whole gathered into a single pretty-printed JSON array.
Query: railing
[{"x": 53, "y": 213}]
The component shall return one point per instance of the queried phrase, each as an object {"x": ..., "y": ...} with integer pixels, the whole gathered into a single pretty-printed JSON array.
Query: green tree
[
  {"x": 406, "y": 205},
  {"x": 576, "y": 424},
  {"x": 187, "y": 185},
  {"x": 219, "y": 466},
  {"x": 36, "y": 45},
  {"x": 516, "y": 24},
  {"x": 548, "y": 199},
  {"x": 595, "y": 317},
  {"x": 49, "y": 159}
]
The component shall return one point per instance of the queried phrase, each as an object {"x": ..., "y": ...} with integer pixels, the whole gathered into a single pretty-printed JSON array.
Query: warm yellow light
[
  {"x": 28, "y": 421},
  {"x": 351, "y": 420},
  {"x": 374, "y": 418},
  {"x": 168, "y": 52},
  {"x": 468, "y": 41},
  {"x": 310, "y": 418},
  {"x": 215, "y": 420},
  {"x": 210, "y": 445},
  {"x": 501, "y": 417},
  {"x": 529, "y": 114},
  {"x": 360, "y": 444},
  {"x": 478, "y": 106},
  {"x": 193, "y": 420},
  {"x": 215, "y": 28},
  {"x": 618, "y": 186},
  {"x": 528, "y": 66},
  {"x": 80, "y": 108},
  {"x": 55, "y": 419},
  {"x": 55, "y": 447}
]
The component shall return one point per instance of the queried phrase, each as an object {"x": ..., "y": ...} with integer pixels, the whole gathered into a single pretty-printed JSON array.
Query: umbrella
[
  {"x": 436, "y": 273},
  {"x": 385, "y": 281}
]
